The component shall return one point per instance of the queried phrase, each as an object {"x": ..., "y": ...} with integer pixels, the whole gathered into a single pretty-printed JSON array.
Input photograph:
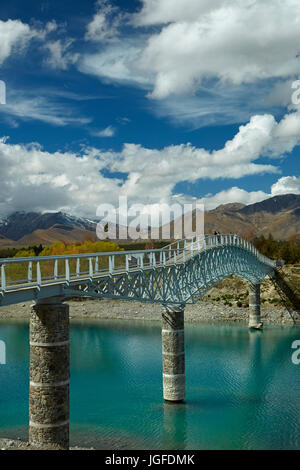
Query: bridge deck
[{"x": 36, "y": 278}]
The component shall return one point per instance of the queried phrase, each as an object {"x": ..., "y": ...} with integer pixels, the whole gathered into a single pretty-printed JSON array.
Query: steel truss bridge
[{"x": 175, "y": 275}]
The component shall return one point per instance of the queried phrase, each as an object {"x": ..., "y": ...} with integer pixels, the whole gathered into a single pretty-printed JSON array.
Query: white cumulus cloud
[
  {"x": 175, "y": 47},
  {"x": 232, "y": 195},
  {"x": 233, "y": 41},
  {"x": 14, "y": 36},
  {"x": 155, "y": 12},
  {"x": 33, "y": 179},
  {"x": 286, "y": 185}
]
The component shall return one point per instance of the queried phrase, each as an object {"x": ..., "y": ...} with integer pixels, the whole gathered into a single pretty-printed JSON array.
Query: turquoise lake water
[{"x": 242, "y": 387}]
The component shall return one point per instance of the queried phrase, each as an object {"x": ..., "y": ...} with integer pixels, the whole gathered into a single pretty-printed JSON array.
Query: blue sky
[{"x": 147, "y": 98}]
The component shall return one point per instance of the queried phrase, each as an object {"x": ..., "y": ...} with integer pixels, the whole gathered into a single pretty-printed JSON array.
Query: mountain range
[
  {"x": 31, "y": 228},
  {"x": 279, "y": 215}
]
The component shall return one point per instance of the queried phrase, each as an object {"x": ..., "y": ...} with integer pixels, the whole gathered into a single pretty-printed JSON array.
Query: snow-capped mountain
[
  {"x": 279, "y": 215},
  {"x": 21, "y": 224}
]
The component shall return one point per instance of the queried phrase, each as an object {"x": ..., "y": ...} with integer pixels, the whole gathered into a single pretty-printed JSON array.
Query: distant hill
[
  {"x": 274, "y": 205},
  {"x": 62, "y": 233},
  {"x": 5, "y": 241},
  {"x": 279, "y": 215},
  {"x": 32, "y": 228}
]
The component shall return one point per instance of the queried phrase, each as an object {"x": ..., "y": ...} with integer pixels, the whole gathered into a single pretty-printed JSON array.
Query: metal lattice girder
[
  {"x": 179, "y": 284},
  {"x": 175, "y": 275}
]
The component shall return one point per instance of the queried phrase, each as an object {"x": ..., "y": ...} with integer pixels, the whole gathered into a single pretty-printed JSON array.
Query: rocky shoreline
[
  {"x": 18, "y": 444},
  {"x": 202, "y": 312}
]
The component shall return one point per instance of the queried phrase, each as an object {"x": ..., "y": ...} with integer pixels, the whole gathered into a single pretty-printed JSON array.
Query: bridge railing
[
  {"x": 36, "y": 271},
  {"x": 205, "y": 242}
]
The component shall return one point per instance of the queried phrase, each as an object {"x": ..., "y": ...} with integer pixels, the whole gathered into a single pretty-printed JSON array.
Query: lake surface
[{"x": 242, "y": 387}]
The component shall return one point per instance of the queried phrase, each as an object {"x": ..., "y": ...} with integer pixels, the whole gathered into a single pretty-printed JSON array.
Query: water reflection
[{"x": 174, "y": 426}]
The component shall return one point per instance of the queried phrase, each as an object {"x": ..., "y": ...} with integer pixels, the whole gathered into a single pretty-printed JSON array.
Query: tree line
[
  {"x": 289, "y": 251},
  {"x": 60, "y": 248},
  {"x": 286, "y": 250}
]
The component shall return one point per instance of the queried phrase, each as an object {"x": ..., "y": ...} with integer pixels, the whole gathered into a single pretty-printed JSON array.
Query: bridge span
[{"x": 173, "y": 276}]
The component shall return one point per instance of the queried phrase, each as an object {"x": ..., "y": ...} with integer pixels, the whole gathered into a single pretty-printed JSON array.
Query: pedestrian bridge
[
  {"x": 173, "y": 276},
  {"x": 177, "y": 274}
]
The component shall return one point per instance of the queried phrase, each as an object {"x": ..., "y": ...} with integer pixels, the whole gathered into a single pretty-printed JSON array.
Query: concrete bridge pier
[
  {"x": 173, "y": 354},
  {"x": 255, "y": 322},
  {"x": 49, "y": 375}
]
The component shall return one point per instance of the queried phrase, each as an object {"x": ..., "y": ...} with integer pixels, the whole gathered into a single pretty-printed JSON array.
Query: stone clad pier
[
  {"x": 254, "y": 307},
  {"x": 49, "y": 375},
  {"x": 173, "y": 355}
]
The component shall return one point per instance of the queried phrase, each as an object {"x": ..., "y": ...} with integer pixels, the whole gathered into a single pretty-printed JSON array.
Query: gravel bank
[
  {"x": 203, "y": 311},
  {"x": 18, "y": 444}
]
